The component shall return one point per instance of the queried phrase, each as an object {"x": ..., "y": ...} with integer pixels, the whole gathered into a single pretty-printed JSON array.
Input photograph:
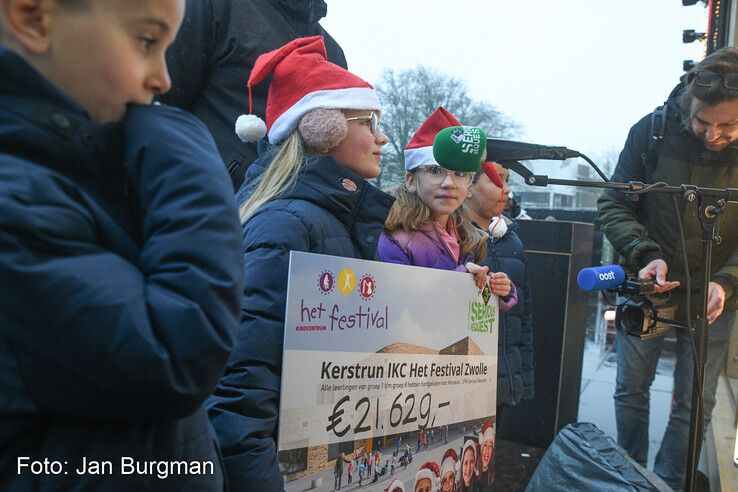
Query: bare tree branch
[{"x": 409, "y": 96}]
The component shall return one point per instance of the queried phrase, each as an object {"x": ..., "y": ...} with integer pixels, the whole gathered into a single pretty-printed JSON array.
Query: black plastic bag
[{"x": 583, "y": 458}]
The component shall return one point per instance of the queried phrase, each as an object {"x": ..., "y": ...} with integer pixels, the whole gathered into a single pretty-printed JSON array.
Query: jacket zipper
[{"x": 504, "y": 341}]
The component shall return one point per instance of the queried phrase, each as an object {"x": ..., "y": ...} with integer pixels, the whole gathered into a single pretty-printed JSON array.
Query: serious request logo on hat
[{"x": 470, "y": 138}]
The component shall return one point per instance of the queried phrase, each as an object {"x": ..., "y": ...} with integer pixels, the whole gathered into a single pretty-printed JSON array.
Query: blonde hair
[
  {"x": 280, "y": 176},
  {"x": 409, "y": 213}
]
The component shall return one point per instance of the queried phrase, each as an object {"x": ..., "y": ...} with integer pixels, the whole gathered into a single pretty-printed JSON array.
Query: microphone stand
[{"x": 710, "y": 203}]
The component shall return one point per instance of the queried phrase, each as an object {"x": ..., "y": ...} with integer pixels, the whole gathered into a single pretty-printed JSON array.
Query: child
[
  {"x": 115, "y": 321},
  {"x": 487, "y": 455},
  {"x": 469, "y": 481},
  {"x": 308, "y": 192},
  {"x": 448, "y": 470},
  {"x": 360, "y": 465},
  {"x": 427, "y": 477},
  {"x": 505, "y": 252},
  {"x": 428, "y": 225}
]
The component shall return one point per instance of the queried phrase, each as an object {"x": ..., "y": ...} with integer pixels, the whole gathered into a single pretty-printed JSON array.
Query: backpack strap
[{"x": 655, "y": 140}]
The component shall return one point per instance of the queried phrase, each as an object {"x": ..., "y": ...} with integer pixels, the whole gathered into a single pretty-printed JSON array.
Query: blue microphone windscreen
[{"x": 601, "y": 277}]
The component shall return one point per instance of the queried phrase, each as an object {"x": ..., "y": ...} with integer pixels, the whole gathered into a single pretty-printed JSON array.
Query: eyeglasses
[
  {"x": 436, "y": 175},
  {"x": 372, "y": 119},
  {"x": 708, "y": 79}
]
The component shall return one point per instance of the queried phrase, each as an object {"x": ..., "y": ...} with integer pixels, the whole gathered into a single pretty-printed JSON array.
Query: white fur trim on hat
[
  {"x": 250, "y": 128},
  {"x": 419, "y": 156},
  {"x": 487, "y": 435},
  {"x": 396, "y": 484},
  {"x": 424, "y": 473},
  {"x": 449, "y": 465},
  {"x": 349, "y": 98}
]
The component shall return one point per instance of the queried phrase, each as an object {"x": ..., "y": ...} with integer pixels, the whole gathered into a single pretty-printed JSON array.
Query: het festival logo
[{"x": 346, "y": 284}]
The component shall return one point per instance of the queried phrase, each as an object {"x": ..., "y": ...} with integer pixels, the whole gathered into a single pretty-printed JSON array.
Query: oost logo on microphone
[{"x": 607, "y": 275}]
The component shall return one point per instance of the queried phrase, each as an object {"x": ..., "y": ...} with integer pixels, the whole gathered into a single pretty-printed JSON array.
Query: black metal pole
[
  {"x": 708, "y": 220},
  {"x": 709, "y": 216}
]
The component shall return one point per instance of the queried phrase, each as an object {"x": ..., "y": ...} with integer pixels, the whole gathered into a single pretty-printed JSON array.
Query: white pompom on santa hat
[
  {"x": 498, "y": 225},
  {"x": 303, "y": 80}
]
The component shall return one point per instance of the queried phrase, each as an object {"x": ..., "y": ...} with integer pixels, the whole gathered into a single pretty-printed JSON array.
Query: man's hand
[
  {"x": 657, "y": 269},
  {"x": 715, "y": 301}
]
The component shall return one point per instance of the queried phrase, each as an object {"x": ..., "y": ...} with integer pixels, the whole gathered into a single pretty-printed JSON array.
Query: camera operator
[{"x": 699, "y": 147}]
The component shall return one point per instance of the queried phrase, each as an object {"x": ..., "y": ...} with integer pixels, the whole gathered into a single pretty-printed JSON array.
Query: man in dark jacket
[
  {"x": 699, "y": 147},
  {"x": 120, "y": 292},
  {"x": 212, "y": 57}
]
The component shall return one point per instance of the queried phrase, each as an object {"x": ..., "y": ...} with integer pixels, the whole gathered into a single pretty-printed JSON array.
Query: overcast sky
[{"x": 577, "y": 73}]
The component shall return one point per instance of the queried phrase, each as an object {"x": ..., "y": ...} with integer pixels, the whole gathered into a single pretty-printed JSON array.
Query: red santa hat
[
  {"x": 429, "y": 470},
  {"x": 395, "y": 485},
  {"x": 488, "y": 432},
  {"x": 419, "y": 150},
  {"x": 303, "y": 80},
  {"x": 449, "y": 463},
  {"x": 488, "y": 168},
  {"x": 498, "y": 226}
]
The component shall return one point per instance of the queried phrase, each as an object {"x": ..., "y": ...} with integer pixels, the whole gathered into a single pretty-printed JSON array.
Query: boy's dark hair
[{"x": 74, "y": 5}]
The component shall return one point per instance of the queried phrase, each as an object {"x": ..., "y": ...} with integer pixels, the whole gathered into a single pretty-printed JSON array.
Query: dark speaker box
[{"x": 556, "y": 251}]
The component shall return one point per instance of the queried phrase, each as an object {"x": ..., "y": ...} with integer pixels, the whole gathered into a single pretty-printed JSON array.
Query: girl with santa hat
[
  {"x": 427, "y": 477},
  {"x": 469, "y": 478},
  {"x": 428, "y": 225},
  {"x": 487, "y": 455},
  {"x": 307, "y": 192},
  {"x": 449, "y": 470}
]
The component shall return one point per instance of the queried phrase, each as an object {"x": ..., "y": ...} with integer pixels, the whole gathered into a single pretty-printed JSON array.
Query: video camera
[{"x": 639, "y": 311}]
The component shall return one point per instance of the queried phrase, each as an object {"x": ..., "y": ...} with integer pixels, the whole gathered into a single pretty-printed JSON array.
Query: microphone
[
  {"x": 601, "y": 277},
  {"x": 507, "y": 150},
  {"x": 460, "y": 148}
]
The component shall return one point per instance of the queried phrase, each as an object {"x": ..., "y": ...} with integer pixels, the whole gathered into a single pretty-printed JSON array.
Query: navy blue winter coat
[
  {"x": 215, "y": 50},
  {"x": 120, "y": 289},
  {"x": 515, "y": 342},
  {"x": 319, "y": 215}
]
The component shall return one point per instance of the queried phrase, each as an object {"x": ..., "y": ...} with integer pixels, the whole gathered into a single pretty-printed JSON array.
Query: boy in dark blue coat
[
  {"x": 506, "y": 254},
  {"x": 119, "y": 255}
]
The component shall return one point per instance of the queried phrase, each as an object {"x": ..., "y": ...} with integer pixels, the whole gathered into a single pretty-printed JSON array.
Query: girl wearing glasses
[
  {"x": 428, "y": 225},
  {"x": 307, "y": 192}
]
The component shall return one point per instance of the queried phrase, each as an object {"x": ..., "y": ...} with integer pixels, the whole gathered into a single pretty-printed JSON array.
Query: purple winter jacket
[{"x": 425, "y": 248}]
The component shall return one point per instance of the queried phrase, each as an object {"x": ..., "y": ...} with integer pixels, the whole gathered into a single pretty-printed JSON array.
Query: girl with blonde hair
[{"x": 308, "y": 192}]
